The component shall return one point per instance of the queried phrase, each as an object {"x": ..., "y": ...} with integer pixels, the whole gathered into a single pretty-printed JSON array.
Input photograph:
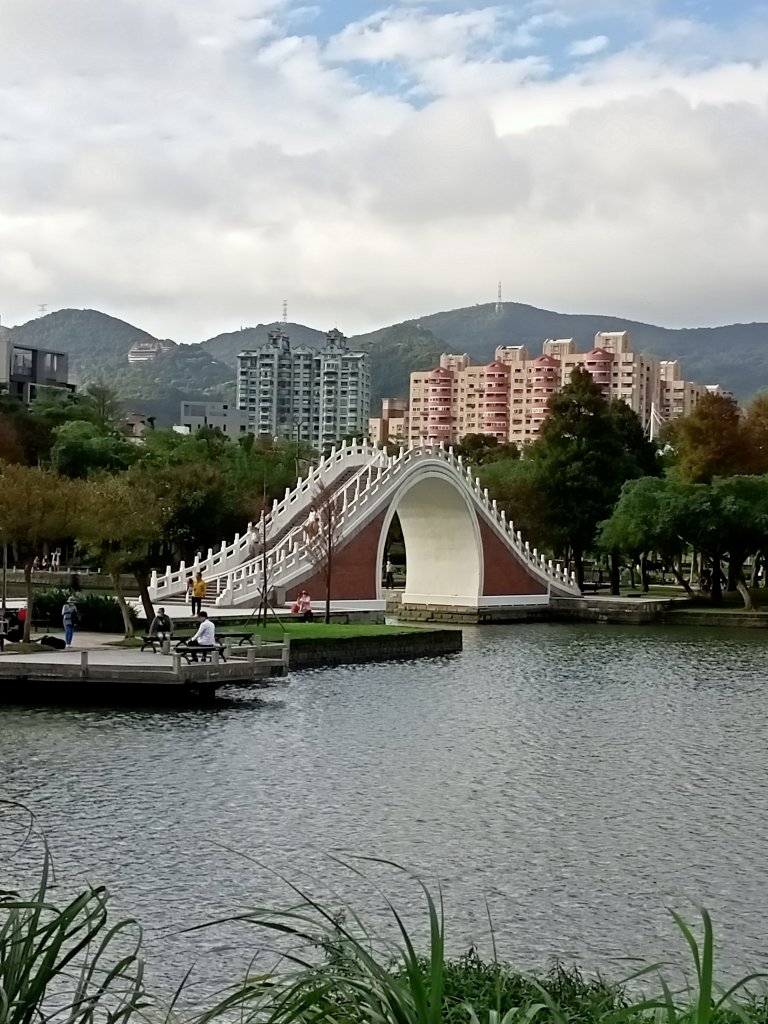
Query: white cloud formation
[
  {"x": 588, "y": 47},
  {"x": 188, "y": 165}
]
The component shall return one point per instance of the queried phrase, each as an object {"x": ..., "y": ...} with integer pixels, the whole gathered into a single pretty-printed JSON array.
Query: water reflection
[{"x": 579, "y": 779}]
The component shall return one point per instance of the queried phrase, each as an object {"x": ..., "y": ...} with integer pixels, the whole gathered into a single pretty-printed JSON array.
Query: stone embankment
[
  {"x": 609, "y": 611},
  {"x": 318, "y": 652}
]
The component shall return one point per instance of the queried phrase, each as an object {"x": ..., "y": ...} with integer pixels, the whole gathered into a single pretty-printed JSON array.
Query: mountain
[
  {"x": 98, "y": 347},
  {"x": 94, "y": 341},
  {"x": 226, "y": 347},
  {"x": 735, "y": 356}
]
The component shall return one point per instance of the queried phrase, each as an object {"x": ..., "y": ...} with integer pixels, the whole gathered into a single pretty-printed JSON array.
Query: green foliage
[
  {"x": 71, "y": 964},
  {"x": 99, "y": 613},
  {"x": 712, "y": 441},
  {"x": 82, "y": 448},
  {"x": 364, "y": 977},
  {"x": 394, "y": 354},
  {"x": 587, "y": 449},
  {"x": 67, "y": 963},
  {"x": 485, "y": 448}
]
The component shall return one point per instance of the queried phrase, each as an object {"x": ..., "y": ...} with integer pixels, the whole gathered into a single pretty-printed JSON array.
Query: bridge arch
[{"x": 441, "y": 533}]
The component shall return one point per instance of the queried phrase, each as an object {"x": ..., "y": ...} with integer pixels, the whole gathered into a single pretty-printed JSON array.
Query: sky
[{"x": 189, "y": 165}]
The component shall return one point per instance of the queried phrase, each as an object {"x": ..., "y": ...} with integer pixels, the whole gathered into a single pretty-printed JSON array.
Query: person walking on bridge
[{"x": 198, "y": 593}]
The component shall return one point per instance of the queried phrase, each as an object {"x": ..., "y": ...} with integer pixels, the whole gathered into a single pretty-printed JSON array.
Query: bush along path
[{"x": 70, "y": 963}]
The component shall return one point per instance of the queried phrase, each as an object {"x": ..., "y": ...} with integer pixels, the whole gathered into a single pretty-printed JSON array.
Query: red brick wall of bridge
[
  {"x": 504, "y": 572},
  {"x": 354, "y": 569}
]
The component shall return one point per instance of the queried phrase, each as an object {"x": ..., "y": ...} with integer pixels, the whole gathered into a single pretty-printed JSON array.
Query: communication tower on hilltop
[
  {"x": 498, "y": 299},
  {"x": 42, "y": 308},
  {"x": 285, "y": 311}
]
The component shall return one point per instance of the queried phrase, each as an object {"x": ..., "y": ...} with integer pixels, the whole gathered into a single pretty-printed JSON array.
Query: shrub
[{"x": 99, "y": 613}]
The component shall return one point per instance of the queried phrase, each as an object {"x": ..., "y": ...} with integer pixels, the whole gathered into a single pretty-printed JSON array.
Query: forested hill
[
  {"x": 98, "y": 347},
  {"x": 735, "y": 356}
]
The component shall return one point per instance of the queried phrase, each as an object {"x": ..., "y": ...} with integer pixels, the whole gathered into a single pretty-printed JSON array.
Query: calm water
[{"x": 580, "y": 780}]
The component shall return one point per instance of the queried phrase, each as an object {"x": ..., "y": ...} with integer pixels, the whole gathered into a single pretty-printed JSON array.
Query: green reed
[{"x": 67, "y": 964}]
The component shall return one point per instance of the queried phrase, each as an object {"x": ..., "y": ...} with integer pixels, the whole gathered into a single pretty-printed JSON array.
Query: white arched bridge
[{"x": 461, "y": 551}]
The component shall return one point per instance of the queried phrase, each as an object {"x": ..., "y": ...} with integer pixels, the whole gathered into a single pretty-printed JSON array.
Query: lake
[{"x": 574, "y": 781}]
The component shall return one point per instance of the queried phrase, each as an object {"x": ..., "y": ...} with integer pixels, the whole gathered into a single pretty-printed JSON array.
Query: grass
[
  {"x": 70, "y": 965},
  {"x": 364, "y": 979},
  {"x": 67, "y": 963},
  {"x": 27, "y": 648},
  {"x": 274, "y": 633}
]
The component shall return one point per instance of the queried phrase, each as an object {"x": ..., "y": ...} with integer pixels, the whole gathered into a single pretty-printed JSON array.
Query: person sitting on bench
[
  {"x": 161, "y": 627},
  {"x": 205, "y": 635}
]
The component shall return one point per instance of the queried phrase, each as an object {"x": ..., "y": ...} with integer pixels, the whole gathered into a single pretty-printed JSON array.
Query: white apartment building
[{"x": 317, "y": 396}]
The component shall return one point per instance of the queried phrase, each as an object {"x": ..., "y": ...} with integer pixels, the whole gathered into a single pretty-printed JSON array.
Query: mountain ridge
[{"x": 733, "y": 355}]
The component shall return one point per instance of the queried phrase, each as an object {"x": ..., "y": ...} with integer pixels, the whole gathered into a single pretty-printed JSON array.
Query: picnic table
[
  {"x": 201, "y": 652},
  {"x": 221, "y": 637}
]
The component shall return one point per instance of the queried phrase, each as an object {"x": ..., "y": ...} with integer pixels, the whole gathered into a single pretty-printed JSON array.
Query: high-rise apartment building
[
  {"x": 509, "y": 398},
  {"x": 313, "y": 395}
]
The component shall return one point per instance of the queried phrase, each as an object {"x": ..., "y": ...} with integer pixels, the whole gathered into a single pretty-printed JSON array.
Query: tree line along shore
[{"x": 592, "y": 489}]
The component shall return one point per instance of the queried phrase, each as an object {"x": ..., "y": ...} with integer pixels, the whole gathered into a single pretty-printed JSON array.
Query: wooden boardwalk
[{"x": 129, "y": 676}]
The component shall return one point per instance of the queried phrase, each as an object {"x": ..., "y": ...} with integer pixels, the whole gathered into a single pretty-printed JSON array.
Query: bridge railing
[
  {"x": 291, "y": 557},
  {"x": 216, "y": 564}
]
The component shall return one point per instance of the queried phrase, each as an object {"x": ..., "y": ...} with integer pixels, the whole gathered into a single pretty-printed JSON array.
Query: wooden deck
[{"x": 130, "y": 676}]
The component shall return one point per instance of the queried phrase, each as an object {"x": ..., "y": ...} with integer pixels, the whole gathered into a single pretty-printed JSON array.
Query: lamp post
[
  {"x": 298, "y": 424},
  {"x": 5, "y": 579}
]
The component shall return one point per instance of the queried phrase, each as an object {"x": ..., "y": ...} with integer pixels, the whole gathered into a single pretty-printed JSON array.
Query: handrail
[{"x": 290, "y": 557}]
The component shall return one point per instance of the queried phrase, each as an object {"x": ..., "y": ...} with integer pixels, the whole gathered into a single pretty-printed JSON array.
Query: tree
[
  {"x": 322, "y": 538},
  {"x": 650, "y": 515},
  {"x": 100, "y": 404},
  {"x": 756, "y": 430},
  {"x": 587, "y": 449},
  {"x": 81, "y": 448},
  {"x": 482, "y": 448},
  {"x": 37, "y": 507},
  {"x": 122, "y": 524},
  {"x": 741, "y": 508},
  {"x": 712, "y": 441}
]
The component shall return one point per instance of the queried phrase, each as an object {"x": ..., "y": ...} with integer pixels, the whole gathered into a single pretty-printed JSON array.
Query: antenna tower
[
  {"x": 285, "y": 311},
  {"x": 498, "y": 299},
  {"x": 42, "y": 308}
]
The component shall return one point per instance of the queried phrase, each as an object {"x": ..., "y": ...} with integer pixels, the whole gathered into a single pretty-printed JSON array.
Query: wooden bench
[
  {"x": 154, "y": 641},
  {"x": 191, "y": 654},
  {"x": 242, "y": 638}
]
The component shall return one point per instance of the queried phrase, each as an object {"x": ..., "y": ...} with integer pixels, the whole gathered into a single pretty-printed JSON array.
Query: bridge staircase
[
  {"x": 361, "y": 497},
  {"x": 282, "y": 524}
]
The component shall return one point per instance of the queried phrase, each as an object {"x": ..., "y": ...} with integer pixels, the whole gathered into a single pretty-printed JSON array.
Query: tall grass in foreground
[
  {"x": 363, "y": 979},
  {"x": 69, "y": 965}
]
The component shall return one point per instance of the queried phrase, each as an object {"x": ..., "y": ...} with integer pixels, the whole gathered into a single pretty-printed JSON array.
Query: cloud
[
  {"x": 412, "y": 35},
  {"x": 588, "y": 47},
  {"x": 187, "y": 165}
]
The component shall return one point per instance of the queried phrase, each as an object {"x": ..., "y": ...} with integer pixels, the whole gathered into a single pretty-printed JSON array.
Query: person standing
[
  {"x": 69, "y": 618},
  {"x": 198, "y": 593},
  {"x": 390, "y": 575}
]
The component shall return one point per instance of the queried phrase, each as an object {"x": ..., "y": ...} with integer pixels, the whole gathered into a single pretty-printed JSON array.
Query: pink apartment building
[{"x": 509, "y": 397}]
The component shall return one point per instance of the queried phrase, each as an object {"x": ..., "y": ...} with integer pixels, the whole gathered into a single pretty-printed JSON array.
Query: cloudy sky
[{"x": 189, "y": 164}]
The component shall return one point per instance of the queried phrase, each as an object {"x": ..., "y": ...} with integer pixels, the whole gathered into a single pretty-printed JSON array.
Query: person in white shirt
[{"x": 205, "y": 635}]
